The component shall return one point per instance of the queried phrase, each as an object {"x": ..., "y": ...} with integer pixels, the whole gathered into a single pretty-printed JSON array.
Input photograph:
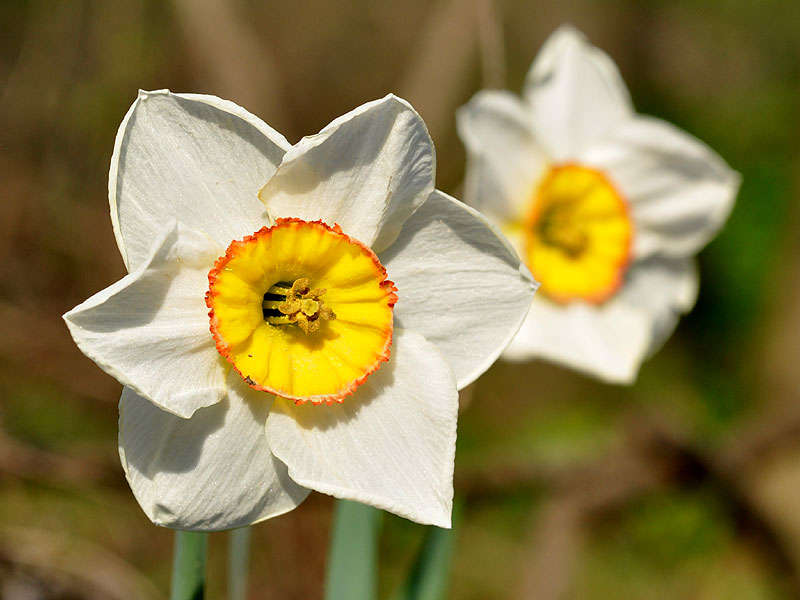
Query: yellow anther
[
  {"x": 300, "y": 287},
  {"x": 289, "y": 307},
  {"x": 303, "y": 305}
]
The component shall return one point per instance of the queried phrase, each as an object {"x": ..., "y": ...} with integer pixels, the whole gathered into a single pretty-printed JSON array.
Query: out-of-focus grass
[
  {"x": 724, "y": 387},
  {"x": 674, "y": 545},
  {"x": 32, "y": 416}
]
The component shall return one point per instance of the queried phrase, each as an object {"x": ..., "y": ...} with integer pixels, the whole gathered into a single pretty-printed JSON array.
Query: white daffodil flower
[
  {"x": 606, "y": 207},
  {"x": 267, "y": 284}
]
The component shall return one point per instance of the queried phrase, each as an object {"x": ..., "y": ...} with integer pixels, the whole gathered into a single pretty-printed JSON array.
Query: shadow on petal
[
  {"x": 323, "y": 417},
  {"x": 173, "y": 444}
]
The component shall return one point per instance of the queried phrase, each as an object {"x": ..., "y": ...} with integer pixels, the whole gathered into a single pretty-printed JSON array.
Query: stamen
[
  {"x": 299, "y": 303},
  {"x": 278, "y": 320},
  {"x": 279, "y": 289},
  {"x": 558, "y": 229},
  {"x": 578, "y": 235}
]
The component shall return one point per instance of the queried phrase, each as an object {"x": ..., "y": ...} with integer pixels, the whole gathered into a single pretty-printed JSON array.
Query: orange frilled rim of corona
[
  {"x": 578, "y": 235},
  {"x": 301, "y": 310}
]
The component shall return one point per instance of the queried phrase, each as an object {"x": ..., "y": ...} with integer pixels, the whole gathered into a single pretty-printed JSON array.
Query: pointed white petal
[
  {"x": 576, "y": 93},
  {"x": 150, "y": 330},
  {"x": 368, "y": 171},
  {"x": 391, "y": 445},
  {"x": 680, "y": 191},
  {"x": 503, "y": 161},
  {"x": 213, "y": 471},
  {"x": 665, "y": 288},
  {"x": 459, "y": 284},
  {"x": 608, "y": 342},
  {"x": 195, "y": 158}
]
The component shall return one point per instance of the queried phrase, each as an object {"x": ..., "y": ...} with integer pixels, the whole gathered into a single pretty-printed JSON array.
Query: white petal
[
  {"x": 150, "y": 330},
  {"x": 459, "y": 284},
  {"x": 665, "y": 288},
  {"x": 608, "y": 342},
  {"x": 391, "y": 445},
  {"x": 503, "y": 160},
  {"x": 576, "y": 93},
  {"x": 368, "y": 171},
  {"x": 680, "y": 190},
  {"x": 196, "y": 158},
  {"x": 213, "y": 471}
]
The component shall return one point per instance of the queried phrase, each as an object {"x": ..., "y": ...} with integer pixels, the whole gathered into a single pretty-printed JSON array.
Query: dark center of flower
[
  {"x": 296, "y": 303},
  {"x": 557, "y": 227},
  {"x": 578, "y": 235}
]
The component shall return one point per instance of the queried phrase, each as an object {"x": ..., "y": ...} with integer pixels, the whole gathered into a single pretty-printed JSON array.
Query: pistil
[{"x": 299, "y": 304}]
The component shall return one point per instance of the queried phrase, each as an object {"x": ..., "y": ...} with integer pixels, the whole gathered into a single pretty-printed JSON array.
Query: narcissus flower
[
  {"x": 294, "y": 317},
  {"x": 606, "y": 207}
]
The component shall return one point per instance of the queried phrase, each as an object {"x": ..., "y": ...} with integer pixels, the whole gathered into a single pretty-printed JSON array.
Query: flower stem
[
  {"x": 238, "y": 563},
  {"x": 429, "y": 576},
  {"x": 353, "y": 553},
  {"x": 189, "y": 566}
]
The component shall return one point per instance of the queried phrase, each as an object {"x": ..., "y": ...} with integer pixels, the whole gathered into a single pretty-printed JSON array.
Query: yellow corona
[
  {"x": 301, "y": 310},
  {"x": 578, "y": 235}
]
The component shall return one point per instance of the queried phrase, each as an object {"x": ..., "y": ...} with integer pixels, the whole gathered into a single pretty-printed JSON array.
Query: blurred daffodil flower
[
  {"x": 267, "y": 284},
  {"x": 606, "y": 207}
]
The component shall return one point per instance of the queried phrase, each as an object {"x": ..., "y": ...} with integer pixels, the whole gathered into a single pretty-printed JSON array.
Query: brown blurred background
[{"x": 686, "y": 485}]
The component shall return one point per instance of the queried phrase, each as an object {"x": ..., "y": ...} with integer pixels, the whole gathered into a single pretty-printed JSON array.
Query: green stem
[
  {"x": 238, "y": 563},
  {"x": 189, "y": 566},
  {"x": 430, "y": 575},
  {"x": 353, "y": 553}
]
